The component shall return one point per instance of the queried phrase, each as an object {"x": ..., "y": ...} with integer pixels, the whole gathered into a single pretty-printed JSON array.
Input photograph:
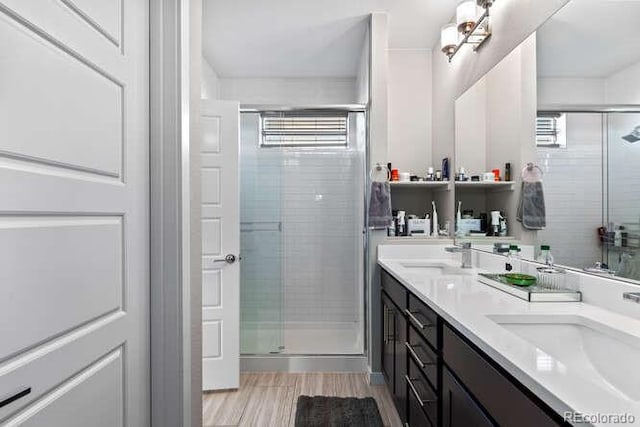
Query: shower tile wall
[
  {"x": 573, "y": 192},
  {"x": 322, "y": 236},
  {"x": 624, "y": 169}
]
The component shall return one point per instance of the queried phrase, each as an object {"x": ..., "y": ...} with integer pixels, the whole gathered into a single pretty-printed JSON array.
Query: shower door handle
[{"x": 229, "y": 259}]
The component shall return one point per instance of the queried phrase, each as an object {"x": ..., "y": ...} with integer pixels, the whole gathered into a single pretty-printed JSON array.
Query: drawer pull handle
[
  {"x": 421, "y": 401},
  {"x": 415, "y": 320},
  {"x": 415, "y": 357},
  {"x": 15, "y": 396}
]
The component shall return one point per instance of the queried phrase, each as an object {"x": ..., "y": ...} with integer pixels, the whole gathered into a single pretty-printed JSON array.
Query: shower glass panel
[
  {"x": 623, "y": 195},
  {"x": 260, "y": 244},
  {"x": 302, "y": 213}
]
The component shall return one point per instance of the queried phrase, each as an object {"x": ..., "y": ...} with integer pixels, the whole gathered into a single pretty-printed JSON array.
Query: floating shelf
[
  {"x": 487, "y": 185},
  {"x": 435, "y": 185}
]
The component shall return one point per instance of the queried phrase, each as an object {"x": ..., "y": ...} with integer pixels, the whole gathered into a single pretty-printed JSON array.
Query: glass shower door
[{"x": 261, "y": 289}]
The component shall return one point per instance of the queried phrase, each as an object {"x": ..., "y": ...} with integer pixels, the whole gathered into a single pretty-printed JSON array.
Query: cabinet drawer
[
  {"x": 423, "y": 319},
  {"x": 423, "y": 356},
  {"x": 416, "y": 416},
  {"x": 421, "y": 393},
  {"x": 396, "y": 291},
  {"x": 503, "y": 399}
]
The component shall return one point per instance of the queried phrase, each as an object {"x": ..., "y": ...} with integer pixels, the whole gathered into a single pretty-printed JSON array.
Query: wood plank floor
[{"x": 268, "y": 399}]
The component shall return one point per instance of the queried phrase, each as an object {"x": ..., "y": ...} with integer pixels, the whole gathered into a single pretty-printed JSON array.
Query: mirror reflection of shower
[{"x": 592, "y": 205}]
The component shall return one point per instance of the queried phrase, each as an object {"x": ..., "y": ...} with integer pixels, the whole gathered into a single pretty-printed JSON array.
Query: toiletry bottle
[
  {"x": 545, "y": 256},
  {"x": 430, "y": 174},
  {"x": 517, "y": 260},
  {"x": 434, "y": 222},
  {"x": 459, "y": 219},
  {"x": 507, "y": 171},
  {"x": 445, "y": 169},
  {"x": 401, "y": 229},
  {"x": 391, "y": 229},
  {"x": 508, "y": 265},
  {"x": 503, "y": 226}
]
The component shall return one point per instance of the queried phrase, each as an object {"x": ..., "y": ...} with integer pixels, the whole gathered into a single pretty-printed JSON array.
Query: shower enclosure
[{"x": 302, "y": 219}]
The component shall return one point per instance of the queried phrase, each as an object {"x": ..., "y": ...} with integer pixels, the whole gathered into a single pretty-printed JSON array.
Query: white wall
[
  {"x": 409, "y": 105},
  {"x": 209, "y": 87},
  {"x": 512, "y": 22},
  {"x": 623, "y": 87},
  {"x": 289, "y": 91},
  {"x": 378, "y": 137},
  {"x": 364, "y": 76},
  {"x": 471, "y": 129},
  {"x": 553, "y": 90}
]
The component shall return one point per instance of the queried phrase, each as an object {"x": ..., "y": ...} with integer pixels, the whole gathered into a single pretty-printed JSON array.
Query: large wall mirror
[{"x": 564, "y": 109}]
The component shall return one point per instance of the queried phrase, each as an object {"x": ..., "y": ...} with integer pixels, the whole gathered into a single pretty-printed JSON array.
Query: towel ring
[
  {"x": 531, "y": 166},
  {"x": 377, "y": 169}
]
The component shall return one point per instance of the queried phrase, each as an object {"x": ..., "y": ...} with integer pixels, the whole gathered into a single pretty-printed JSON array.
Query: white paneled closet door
[{"x": 74, "y": 217}]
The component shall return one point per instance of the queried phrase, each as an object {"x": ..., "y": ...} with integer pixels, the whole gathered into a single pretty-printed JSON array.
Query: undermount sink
[
  {"x": 434, "y": 268},
  {"x": 595, "y": 350}
]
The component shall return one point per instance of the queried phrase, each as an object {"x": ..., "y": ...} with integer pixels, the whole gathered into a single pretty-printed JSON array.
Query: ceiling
[
  {"x": 590, "y": 39},
  {"x": 305, "y": 38}
]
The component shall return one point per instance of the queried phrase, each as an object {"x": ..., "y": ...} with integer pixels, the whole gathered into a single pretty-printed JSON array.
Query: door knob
[{"x": 229, "y": 259}]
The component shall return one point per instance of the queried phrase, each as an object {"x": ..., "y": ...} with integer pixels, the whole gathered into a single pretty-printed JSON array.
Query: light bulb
[
  {"x": 466, "y": 15},
  {"x": 449, "y": 38}
]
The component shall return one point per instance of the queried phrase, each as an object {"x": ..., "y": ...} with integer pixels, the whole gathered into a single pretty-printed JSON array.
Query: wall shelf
[
  {"x": 433, "y": 185},
  {"x": 486, "y": 185}
]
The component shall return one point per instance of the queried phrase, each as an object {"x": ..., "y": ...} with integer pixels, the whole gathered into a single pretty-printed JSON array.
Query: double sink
[{"x": 600, "y": 352}]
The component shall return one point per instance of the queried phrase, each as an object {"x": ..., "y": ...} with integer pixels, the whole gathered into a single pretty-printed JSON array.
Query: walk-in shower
[{"x": 302, "y": 193}]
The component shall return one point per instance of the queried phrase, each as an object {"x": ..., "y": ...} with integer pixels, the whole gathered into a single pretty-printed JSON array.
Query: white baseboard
[
  {"x": 279, "y": 363},
  {"x": 376, "y": 378}
]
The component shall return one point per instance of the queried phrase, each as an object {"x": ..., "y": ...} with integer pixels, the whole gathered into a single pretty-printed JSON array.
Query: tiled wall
[
  {"x": 624, "y": 169},
  {"x": 573, "y": 192},
  {"x": 311, "y": 270}
]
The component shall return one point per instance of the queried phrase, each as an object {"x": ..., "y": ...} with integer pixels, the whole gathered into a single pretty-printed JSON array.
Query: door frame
[{"x": 176, "y": 300}]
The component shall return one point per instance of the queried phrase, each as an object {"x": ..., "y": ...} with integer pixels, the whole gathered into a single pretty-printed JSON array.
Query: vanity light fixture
[
  {"x": 474, "y": 29},
  {"x": 449, "y": 39},
  {"x": 466, "y": 14}
]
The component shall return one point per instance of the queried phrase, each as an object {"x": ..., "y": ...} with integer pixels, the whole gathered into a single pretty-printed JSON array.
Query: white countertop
[{"x": 467, "y": 304}]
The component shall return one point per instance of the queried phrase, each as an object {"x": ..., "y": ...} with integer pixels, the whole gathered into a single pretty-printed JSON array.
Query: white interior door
[
  {"x": 74, "y": 217},
  {"x": 220, "y": 245}
]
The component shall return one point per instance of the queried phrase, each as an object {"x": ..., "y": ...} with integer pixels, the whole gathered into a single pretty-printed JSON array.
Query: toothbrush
[{"x": 435, "y": 220}]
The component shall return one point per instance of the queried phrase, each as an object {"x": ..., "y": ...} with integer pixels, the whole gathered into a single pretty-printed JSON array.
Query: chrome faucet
[
  {"x": 465, "y": 250},
  {"x": 632, "y": 297}
]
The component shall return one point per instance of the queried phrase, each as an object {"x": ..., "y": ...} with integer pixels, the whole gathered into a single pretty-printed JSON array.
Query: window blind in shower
[{"x": 300, "y": 129}]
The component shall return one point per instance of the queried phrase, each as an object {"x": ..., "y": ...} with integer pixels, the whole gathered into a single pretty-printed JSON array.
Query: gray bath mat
[{"x": 325, "y": 411}]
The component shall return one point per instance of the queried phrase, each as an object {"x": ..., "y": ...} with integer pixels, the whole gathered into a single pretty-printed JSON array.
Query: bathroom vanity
[{"x": 456, "y": 352}]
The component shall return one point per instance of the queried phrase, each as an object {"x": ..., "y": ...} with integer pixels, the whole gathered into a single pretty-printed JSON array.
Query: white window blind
[
  {"x": 551, "y": 130},
  {"x": 304, "y": 129}
]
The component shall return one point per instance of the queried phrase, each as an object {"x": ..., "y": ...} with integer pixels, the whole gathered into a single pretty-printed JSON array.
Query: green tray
[{"x": 519, "y": 279}]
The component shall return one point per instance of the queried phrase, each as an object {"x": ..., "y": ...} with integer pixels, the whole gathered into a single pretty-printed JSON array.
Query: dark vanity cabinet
[
  {"x": 394, "y": 355},
  {"x": 439, "y": 379}
]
